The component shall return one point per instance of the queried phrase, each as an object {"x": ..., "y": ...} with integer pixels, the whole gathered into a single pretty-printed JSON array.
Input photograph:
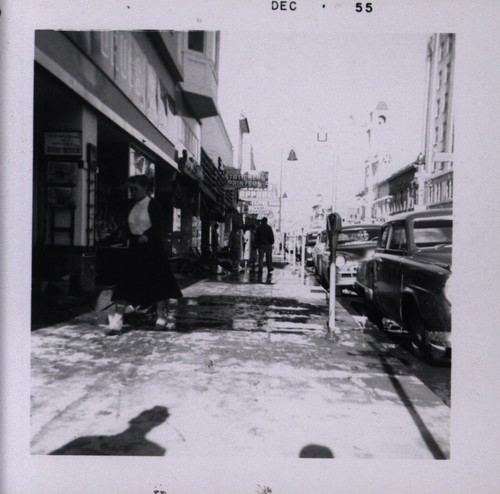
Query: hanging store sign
[
  {"x": 238, "y": 180},
  {"x": 260, "y": 210},
  {"x": 63, "y": 143}
]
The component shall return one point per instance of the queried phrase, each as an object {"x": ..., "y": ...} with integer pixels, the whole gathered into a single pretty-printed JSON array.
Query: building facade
[
  {"x": 108, "y": 105},
  {"x": 426, "y": 182},
  {"x": 439, "y": 125},
  {"x": 390, "y": 184}
]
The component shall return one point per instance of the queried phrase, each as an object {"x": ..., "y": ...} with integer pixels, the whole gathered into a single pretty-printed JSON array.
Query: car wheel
[
  {"x": 372, "y": 313},
  {"x": 418, "y": 339}
]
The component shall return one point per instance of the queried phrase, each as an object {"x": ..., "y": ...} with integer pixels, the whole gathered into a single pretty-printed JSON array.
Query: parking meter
[{"x": 333, "y": 227}]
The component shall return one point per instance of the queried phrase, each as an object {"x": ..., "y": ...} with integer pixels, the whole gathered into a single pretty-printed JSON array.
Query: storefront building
[{"x": 108, "y": 105}]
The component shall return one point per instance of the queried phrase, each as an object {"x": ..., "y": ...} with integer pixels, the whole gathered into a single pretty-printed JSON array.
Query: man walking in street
[{"x": 264, "y": 240}]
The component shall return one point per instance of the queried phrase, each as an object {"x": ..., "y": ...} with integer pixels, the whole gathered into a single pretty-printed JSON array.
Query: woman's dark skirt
[{"x": 146, "y": 277}]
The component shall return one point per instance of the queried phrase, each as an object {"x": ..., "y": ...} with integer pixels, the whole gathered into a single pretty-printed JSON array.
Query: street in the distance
[{"x": 246, "y": 368}]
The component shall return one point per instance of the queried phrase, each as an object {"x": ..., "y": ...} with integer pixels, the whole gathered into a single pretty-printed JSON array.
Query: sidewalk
[{"x": 247, "y": 368}]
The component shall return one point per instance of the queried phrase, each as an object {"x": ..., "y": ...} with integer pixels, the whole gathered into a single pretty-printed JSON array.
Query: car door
[{"x": 390, "y": 253}]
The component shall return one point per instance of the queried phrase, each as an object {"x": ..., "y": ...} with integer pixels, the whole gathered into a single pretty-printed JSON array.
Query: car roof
[
  {"x": 428, "y": 213},
  {"x": 360, "y": 227}
]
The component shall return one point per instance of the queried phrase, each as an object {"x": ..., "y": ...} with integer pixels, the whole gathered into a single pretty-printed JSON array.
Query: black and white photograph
[{"x": 246, "y": 252}]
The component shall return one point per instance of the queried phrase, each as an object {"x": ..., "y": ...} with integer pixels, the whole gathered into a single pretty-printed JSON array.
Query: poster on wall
[
  {"x": 62, "y": 172},
  {"x": 63, "y": 143},
  {"x": 62, "y": 197}
]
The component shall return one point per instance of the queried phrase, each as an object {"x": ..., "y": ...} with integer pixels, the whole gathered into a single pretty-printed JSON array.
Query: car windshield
[
  {"x": 430, "y": 232},
  {"x": 358, "y": 235}
]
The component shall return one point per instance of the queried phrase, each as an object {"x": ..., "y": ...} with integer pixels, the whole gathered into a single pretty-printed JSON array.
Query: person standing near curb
[
  {"x": 235, "y": 244},
  {"x": 248, "y": 246},
  {"x": 264, "y": 240},
  {"x": 147, "y": 277}
]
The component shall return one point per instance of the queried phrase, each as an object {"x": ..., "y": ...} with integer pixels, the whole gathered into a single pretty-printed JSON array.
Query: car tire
[
  {"x": 418, "y": 340},
  {"x": 372, "y": 313}
]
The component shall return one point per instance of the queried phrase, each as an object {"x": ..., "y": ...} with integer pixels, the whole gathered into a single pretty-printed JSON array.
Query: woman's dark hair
[{"x": 142, "y": 180}]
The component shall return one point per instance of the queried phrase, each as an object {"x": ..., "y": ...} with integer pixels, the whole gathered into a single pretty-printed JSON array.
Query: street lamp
[{"x": 291, "y": 157}]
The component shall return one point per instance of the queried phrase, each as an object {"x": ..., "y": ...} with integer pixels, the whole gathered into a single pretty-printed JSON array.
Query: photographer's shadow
[{"x": 131, "y": 442}]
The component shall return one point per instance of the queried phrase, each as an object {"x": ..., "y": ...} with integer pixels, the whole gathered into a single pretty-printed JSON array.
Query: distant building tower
[
  {"x": 378, "y": 119},
  {"x": 378, "y": 164}
]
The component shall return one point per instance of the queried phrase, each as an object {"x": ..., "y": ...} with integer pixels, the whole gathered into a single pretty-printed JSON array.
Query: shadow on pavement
[
  {"x": 427, "y": 437},
  {"x": 131, "y": 442}
]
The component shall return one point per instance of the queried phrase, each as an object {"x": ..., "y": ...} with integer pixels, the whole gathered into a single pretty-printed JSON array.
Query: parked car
[
  {"x": 309, "y": 246},
  {"x": 408, "y": 279},
  {"x": 354, "y": 243}
]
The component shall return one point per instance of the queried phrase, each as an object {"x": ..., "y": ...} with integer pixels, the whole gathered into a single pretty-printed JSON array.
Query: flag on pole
[{"x": 244, "y": 128}]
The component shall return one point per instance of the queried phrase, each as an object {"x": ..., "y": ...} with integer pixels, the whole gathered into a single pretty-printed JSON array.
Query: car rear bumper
[{"x": 346, "y": 280}]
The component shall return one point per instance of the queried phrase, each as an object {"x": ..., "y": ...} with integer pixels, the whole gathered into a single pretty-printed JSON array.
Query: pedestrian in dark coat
[
  {"x": 147, "y": 277},
  {"x": 264, "y": 240}
]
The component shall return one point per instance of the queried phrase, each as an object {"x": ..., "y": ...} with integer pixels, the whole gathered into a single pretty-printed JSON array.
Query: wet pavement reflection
[{"x": 224, "y": 305}]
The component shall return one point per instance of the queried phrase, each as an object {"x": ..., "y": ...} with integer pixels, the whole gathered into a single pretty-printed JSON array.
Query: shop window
[
  {"x": 141, "y": 165},
  {"x": 190, "y": 140},
  {"x": 449, "y": 44},
  {"x": 196, "y": 40},
  {"x": 176, "y": 235}
]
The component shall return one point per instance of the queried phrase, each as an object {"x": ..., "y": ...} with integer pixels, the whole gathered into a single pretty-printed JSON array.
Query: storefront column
[{"x": 89, "y": 136}]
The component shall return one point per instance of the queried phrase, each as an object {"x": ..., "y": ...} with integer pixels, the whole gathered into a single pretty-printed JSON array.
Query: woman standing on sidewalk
[
  {"x": 235, "y": 244},
  {"x": 248, "y": 246},
  {"x": 147, "y": 277}
]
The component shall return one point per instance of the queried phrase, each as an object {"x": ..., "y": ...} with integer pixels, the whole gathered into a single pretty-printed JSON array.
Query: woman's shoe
[{"x": 115, "y": 325}]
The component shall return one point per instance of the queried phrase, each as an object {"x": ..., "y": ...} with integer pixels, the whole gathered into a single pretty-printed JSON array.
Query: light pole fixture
[{"x": 291, "y": 157}]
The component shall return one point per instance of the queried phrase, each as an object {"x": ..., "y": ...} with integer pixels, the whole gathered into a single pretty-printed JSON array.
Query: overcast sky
[{"x": 290, "y": 86}]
